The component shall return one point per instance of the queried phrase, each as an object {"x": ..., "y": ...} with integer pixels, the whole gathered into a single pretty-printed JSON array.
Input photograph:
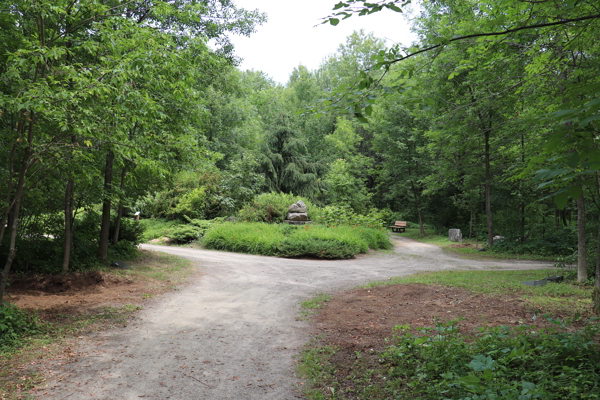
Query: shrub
[
  {"x": 186, "y": 234},
  {"x": 15, "y": 325},
  {"x": 273, "y": 207},
  {"x": 563, "y": 242},
  {"x": 292, "y": 241},
  {"x": 344, "y": 215},
  {"x": 130, "y": 231}
]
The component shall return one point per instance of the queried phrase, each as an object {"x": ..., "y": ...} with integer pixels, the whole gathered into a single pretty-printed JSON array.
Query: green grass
[
  {"x": 468, "y": 252},
  {"x": 553, "y": 297},
  {"x": 313, "y": 241},
  {"x": 315, "y": 303}
]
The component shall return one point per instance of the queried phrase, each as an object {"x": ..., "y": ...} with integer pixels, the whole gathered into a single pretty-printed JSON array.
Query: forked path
[{"x": 234, "y": 332}]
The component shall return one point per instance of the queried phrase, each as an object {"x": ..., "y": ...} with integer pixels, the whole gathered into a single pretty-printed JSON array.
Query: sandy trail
[{"x": 233, "y": 333}]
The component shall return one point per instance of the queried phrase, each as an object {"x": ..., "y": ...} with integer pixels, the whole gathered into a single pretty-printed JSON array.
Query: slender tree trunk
[
  {"x": 522, "y": 205},
  {"x": 106, "y": 203},
  {"x": 581, "y": 262},
  {"x": 596, "y": 294},
  {"x": 120, "y": 210},
  {"x": 68, "y": 229},
  {"x": 488, "y": 188},
  {"x": 417, "y": 197},
  {"x": 9, "y": 189},
  {"x": 14, "y": 220},
  {"x": 471, "y": 224},
  {"x": 68, "y": 243}
]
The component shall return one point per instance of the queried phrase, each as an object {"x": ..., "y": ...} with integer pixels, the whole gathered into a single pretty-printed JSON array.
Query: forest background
[{"x": 489, "y": 123}]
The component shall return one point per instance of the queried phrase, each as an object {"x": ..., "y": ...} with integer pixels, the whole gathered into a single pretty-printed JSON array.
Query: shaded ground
[
  {"x": 233, "y": 333},
  {"x": 78, "y": 293}
]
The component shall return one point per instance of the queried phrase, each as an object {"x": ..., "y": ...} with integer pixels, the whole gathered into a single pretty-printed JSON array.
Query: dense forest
[{"x": 489, "y": 123}]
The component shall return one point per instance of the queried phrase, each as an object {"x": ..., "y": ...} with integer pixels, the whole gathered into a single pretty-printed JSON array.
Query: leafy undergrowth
[
  {"x": 469, "y": 248},
  {"x": 167, "y": 232},
  {"x": 31, "y": 335},
  {"x": 468, "y": 335},
  {"x": 443, "y": 363},
  {"x": 313, "y": 241}
]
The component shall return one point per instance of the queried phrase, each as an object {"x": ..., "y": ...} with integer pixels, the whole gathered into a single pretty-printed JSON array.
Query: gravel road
[{"x": 233, "y": 333}]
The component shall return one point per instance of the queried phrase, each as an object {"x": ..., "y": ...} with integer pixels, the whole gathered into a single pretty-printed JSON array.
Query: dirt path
[{"x": 233, "y": 333}]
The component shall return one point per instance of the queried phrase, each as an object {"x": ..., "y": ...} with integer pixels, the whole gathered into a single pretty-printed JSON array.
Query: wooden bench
[{"x": 399, "y": 226}]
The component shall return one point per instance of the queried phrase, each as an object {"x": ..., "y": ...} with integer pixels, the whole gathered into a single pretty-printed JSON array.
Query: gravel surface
[{"x": 234, "y": 332}]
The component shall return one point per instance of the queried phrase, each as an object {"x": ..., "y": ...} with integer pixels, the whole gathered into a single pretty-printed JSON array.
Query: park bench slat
[{"x": 399, "y": 226}]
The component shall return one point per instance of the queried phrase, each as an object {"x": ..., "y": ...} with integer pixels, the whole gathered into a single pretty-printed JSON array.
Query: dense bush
[
  {"x": 185, "y": 234},
  {"x": 177, "y": 231},
  {"x": 295, "y": 241},
  {"x": 562, "y": 242},
  {"x": 273, "y": 207},
  {"x": 203, "y": 194},
  {"x": 345, "y": 215},
  {"x": 15, "y": 325}
]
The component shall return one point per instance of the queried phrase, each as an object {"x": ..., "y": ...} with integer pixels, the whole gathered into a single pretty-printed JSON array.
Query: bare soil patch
[
  {"x": 360, "y": 320},
  {"x": 77, "y": 293}
]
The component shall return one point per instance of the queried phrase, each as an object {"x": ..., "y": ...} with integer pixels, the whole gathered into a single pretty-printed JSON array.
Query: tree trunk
[
  {"x": 596, "y": 295},
  {"x": 106, "y": 203},
  {"x": 14, "y": 219},
  {"x": 120, "y": 210},
  {"x": 581, "y": 262},
  {"x": 522, "y": 205},
  {"x": 68, "y": 243},
  {"x": 471, "y": 224},
  {"x": 8, "y": 206},
  {"x": 488, "y": 189}
]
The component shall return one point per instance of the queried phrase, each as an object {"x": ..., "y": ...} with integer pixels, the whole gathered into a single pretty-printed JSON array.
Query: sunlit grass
[
  {"x": 563, "y": 297},
  {"x": 315, "y": 241}
]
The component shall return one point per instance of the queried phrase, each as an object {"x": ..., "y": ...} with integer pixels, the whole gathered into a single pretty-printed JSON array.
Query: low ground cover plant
[
  {"x": 441, "y": 362},
  {"x": 541, "y": 358},
  {"x": 15, "y": 325},
  {"x": 315, "y": 241}
]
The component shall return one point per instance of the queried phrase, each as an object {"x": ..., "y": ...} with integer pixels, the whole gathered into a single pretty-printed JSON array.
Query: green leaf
[
  {"x": 573, "y": 160},
  {"x": 334, "y": 21},
  {"x": 574, "y": 192},
  {"x": 361, "y": 118},
  {"x": 561, "y": 200},
  {"x": 470, "y": 380},
  {"x": 394, "y": 7}
]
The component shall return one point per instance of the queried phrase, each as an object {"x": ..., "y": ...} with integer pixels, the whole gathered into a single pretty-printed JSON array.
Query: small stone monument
[
  {"x": 297, "y": 214},
  {"x": 454, "y": 235}
]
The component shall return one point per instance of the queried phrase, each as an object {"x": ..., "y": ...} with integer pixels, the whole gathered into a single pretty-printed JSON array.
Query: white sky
[{"x": 289, "y": 37}]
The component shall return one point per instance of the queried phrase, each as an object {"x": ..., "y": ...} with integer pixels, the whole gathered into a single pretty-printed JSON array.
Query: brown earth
[
  {"x": 78, "y": 293},
  {"x": 362, "y": 320}
]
